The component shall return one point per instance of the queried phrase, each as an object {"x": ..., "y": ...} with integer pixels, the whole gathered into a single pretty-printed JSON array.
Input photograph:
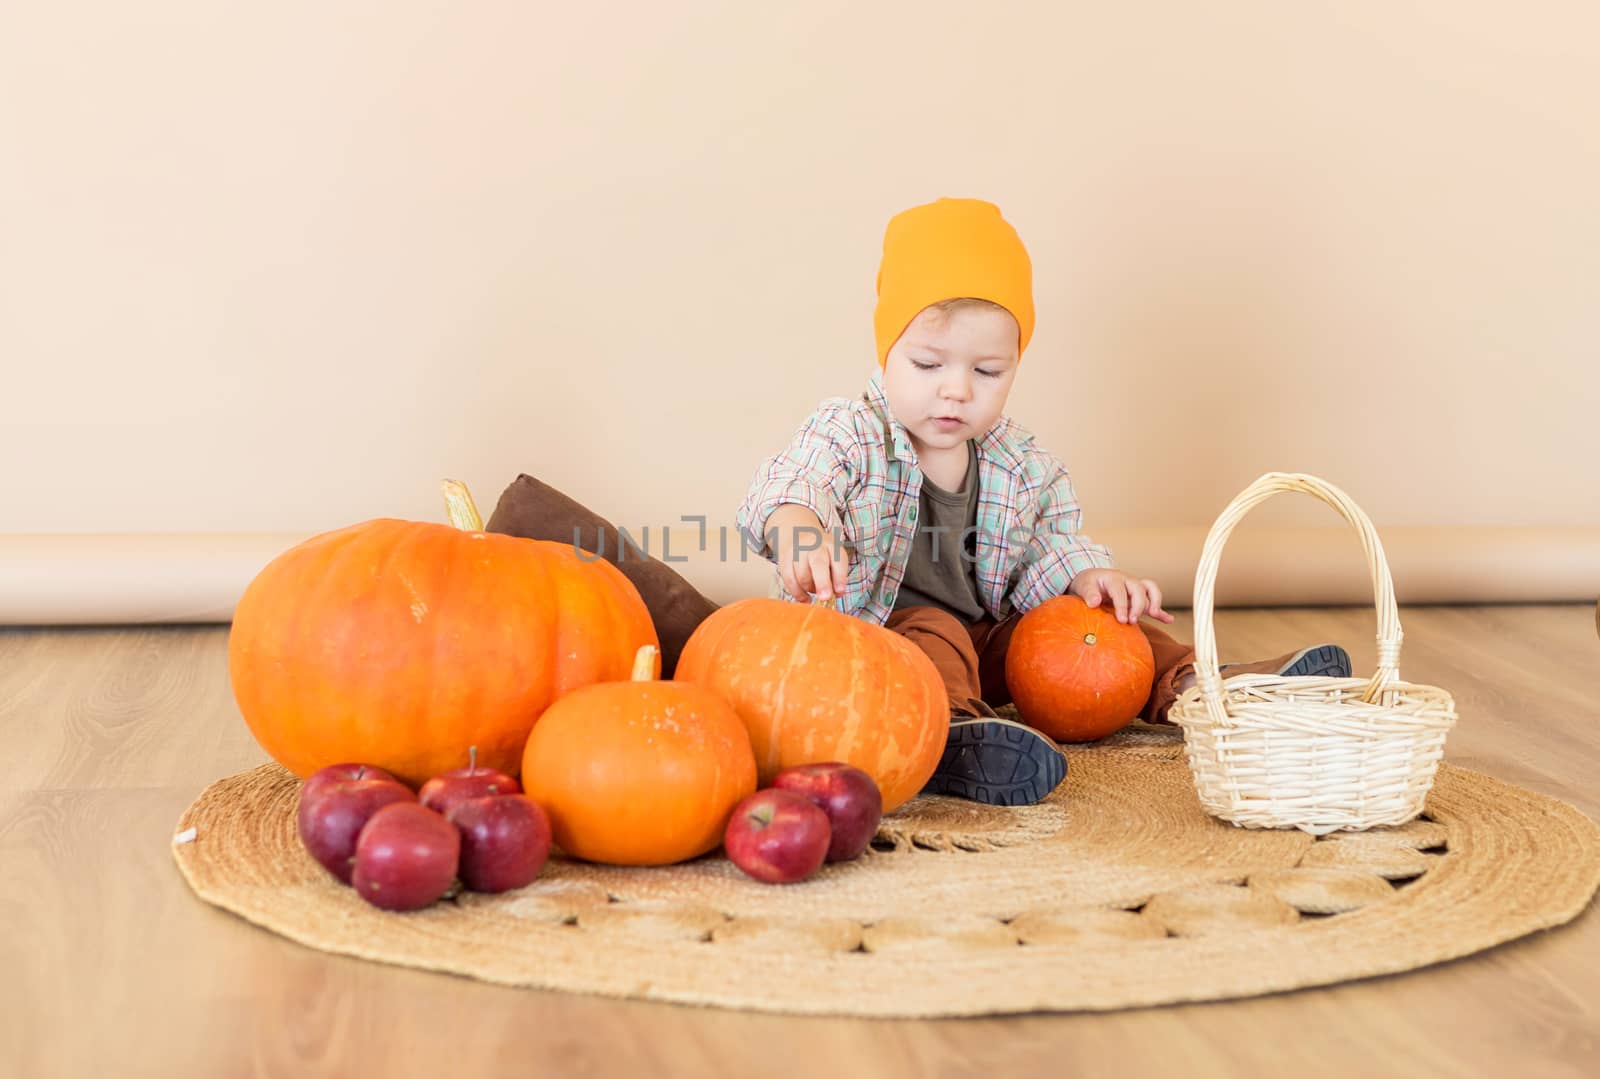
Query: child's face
[{"x": 948, "y": 376}]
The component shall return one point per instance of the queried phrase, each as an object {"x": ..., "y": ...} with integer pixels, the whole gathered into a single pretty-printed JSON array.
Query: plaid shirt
[{"x": 853, "y": 465}]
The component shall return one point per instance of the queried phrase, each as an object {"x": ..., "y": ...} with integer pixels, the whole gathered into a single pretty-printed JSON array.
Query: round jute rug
[{"x": 1116, "y": 892}]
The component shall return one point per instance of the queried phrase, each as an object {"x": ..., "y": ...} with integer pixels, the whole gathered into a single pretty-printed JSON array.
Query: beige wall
[{"x": 277, "y": 268}]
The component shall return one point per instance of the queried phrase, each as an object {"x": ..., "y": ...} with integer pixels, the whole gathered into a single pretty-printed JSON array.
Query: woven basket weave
[{"x": 1319, "y": 754}]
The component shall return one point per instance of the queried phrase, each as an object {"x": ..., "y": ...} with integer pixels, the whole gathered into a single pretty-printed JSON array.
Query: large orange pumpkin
[
  {"x": 640, "y": 772},
  {"x": 814, "y": 685},
  {"x": 1075, "y": 672},
  {"x": 402, "y": 644}
]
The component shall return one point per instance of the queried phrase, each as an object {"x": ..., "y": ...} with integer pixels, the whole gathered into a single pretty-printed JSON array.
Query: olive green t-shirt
[{"x": 937, "y": 574}]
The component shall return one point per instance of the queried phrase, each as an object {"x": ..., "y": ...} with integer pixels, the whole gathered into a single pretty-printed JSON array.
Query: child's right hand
[{"x": 809, "y": 560}]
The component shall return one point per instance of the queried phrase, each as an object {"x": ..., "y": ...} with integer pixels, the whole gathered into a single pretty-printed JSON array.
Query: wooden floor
[{"x": 112, "y": 967}]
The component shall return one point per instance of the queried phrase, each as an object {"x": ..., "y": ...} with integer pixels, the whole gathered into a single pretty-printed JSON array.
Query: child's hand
[
  {"x": 809, "y": 561},
  {"x": 1132, "y": 597}
]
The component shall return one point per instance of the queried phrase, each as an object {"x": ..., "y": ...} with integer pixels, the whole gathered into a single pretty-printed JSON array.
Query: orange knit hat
[{"x": 945, "y": 250}]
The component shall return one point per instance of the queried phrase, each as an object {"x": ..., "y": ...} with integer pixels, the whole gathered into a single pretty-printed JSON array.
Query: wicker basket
[{"x": 1319, "y": 754}]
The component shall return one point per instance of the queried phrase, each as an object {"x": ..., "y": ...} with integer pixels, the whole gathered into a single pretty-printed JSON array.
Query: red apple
[
  {"x": 443, "y": 791},
  {"x": 505, "y": 839},
  {"x": 334, "y": 773},
  {"x": 846, "y": 794},
  {"x": 331, "y": 820},
  {"x": 406, "y": 857},
  {"x": 777, "y": 836}
]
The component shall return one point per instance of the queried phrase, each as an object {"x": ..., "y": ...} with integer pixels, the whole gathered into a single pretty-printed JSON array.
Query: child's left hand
[{"x": 1132, "y": 597}]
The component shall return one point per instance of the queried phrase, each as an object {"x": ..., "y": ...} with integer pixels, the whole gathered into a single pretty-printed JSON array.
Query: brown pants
[{"x": 971, "y": 657}]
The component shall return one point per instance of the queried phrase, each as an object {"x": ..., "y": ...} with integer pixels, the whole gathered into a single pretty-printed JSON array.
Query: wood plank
[{"x": 116, "y": 968}]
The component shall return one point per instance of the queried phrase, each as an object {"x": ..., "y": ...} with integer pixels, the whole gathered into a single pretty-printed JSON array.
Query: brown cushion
[{"x": 535, "y": 510}]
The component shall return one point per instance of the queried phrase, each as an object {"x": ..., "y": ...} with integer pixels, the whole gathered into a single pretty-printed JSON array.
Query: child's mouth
[{"x": 946, "y": 423}]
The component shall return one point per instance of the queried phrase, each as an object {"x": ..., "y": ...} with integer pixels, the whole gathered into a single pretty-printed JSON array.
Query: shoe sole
[
  {"x": 997, "y": 762},
  {"x": 1322, "y": 661}
]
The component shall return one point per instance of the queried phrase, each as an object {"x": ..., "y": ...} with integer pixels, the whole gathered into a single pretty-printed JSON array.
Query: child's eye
[
  {"x": 920, "y": 366},
  {"x": 990, "y": 374}
]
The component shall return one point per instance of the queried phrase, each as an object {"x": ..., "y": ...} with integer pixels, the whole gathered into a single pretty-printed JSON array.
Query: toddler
[{"x": 919, "y": 506}]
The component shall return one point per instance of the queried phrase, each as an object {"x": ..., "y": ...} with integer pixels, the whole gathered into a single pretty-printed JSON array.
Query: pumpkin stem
[
  {"x": 829, "y": 604},
  {"x": 472, "y": 758},
  {"x": 644, "y": 663},
  {"x": 459, "y": 505},
  {"x": 1089, "y": 638}
]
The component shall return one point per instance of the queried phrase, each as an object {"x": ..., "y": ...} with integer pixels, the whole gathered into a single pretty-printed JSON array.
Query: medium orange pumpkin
[
  {"x": 640, "y": 772},
  {"x": 1075, "y": 672},
  {"x": 402, "y": 644},
  {"x": 813, "y": 685}
]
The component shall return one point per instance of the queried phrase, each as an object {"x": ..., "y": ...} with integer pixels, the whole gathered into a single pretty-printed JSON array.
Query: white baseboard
[{"x": 101, "y": 578}]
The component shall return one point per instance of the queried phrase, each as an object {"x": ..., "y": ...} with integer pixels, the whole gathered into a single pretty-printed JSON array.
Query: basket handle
[{"x": 1208, "y": 675}]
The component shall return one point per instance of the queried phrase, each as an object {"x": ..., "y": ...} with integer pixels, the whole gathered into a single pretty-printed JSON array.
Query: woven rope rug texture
[{"x": 1118, "y": 891}]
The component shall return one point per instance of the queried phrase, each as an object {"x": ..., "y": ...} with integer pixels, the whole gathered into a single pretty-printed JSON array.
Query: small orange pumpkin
[
  {"x": 640, "y": 772},
  {"x": 401, "y": 644},
  {"x": 813, "y": 685},
  {"x": 1075, "y": 672}
]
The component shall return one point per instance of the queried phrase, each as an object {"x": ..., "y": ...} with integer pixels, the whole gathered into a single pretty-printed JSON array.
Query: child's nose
[{"x": 957, "y": 388}]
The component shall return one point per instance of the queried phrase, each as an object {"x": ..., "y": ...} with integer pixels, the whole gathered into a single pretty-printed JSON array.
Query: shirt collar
[{"x": 896, "y": 440}]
